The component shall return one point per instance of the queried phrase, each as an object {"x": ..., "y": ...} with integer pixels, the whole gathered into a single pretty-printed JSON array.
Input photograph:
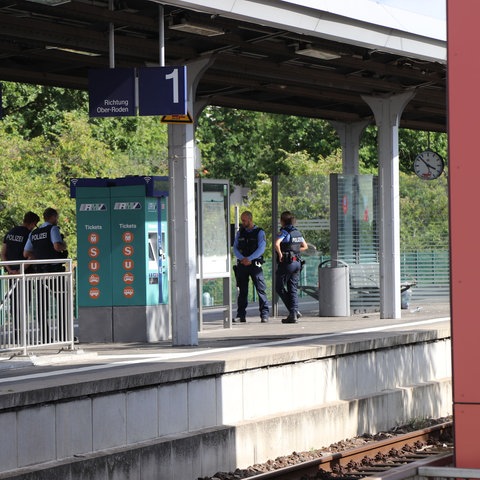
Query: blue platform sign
[
  {"x": 111, "y": 92},
  {"x": 162, "y": 90}
]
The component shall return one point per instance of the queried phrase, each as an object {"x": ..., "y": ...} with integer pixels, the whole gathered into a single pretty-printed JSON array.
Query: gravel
[{"x": 298, "y": 457}]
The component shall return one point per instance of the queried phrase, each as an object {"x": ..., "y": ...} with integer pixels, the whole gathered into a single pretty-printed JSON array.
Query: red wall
[{"x": 463, "y": 33}]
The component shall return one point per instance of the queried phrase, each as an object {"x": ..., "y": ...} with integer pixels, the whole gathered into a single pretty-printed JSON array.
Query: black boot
[{"x": 292, "y": 318}]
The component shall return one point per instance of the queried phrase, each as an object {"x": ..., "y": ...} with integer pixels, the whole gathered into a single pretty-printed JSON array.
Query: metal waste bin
[{"x": 333, "y": 289}]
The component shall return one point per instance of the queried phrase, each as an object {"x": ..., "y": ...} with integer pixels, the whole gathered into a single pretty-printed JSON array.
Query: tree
[
  {"x": 243, "y": 146},
  {"x": 32, "y": 110},
  {"x": 423, "y": 213},
  {"x": 410, "y": 144}
]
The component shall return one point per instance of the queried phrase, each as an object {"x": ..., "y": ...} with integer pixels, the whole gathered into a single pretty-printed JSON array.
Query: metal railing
[{"x": 36, "y": 309}]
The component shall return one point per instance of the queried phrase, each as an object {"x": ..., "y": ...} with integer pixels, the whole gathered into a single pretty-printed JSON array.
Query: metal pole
[
  {"x": 274, "y": 255},
  {"x": 161, "y": 36},
  {"x": 111, "y": 38}
]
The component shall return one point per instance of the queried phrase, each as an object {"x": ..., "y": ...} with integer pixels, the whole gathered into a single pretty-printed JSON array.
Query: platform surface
[{"x": 101, "y": 360}]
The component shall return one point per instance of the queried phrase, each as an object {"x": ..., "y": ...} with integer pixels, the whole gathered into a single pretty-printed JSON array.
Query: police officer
[
  {"x": 288, "y": 245},
  {"x": 46, "y": 242},
  {"x": 12, "y": 249},
  {"x": 14, "y": 241},
  {"x": 248, "y": 247}
]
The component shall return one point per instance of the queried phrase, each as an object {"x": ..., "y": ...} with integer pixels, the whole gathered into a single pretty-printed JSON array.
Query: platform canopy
[{"x": 312, "y": 58}]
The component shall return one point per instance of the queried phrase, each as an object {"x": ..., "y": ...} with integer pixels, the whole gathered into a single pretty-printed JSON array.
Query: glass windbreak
[
  {"x": 215, "y": 243},
  {"x": 356, "y": 218},
  {"x": 308, "y": 198}
]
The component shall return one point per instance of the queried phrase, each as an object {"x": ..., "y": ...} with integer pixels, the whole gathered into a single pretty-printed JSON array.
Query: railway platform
[{"x": 241, "y": 396}]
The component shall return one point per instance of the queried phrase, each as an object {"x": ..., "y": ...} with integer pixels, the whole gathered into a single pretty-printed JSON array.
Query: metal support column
[
  {"x": 387, "y": 111},
  {"x": 183, "y": 262},
  {"x": 350, "y": 134}
]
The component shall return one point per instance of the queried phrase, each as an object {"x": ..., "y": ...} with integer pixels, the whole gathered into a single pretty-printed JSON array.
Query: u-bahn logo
[
  {"x": 94, "y": 265},
  {"x": 128, "y": 264}
]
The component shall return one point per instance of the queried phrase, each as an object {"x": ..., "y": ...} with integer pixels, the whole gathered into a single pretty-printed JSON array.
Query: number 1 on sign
[{"x": 174, "y": 76}]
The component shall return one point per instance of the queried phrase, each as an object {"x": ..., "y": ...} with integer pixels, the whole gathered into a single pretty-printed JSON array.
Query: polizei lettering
[
  {"x": 39, "y": 236},
  {"x": 14, "y": 238}
]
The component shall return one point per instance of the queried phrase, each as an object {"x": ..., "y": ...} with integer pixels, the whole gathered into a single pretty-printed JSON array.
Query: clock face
[{"x": 428, "y": 165}]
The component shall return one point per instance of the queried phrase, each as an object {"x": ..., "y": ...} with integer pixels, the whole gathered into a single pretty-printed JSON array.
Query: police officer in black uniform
[
  {"x": 12, "y": 249},
  {"x": 288, "y": 245},
  {"x": 14, "y": 241},
  {"x": 248, "y": 247}
]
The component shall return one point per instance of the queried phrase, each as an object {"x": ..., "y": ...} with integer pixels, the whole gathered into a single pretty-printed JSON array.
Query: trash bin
[{"x": 333, "y": 289}]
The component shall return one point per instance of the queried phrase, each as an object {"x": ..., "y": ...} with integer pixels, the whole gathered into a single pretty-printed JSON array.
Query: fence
[
  {"x": 429, "y": 271},
  {"x": 36, "y": 309}
]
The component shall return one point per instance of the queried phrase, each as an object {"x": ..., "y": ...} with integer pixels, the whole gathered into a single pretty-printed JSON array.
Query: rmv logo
[
  {"x": 92, "y": 207},
  {"x": 127, "y": 206}
]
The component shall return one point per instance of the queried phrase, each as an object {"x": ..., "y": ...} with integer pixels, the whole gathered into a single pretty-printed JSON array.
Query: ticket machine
[{"x": 122, "y": 273}]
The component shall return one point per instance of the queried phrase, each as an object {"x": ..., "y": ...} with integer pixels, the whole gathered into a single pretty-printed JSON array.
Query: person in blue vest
[
  {"x": 288, "y": 245},
  {"x": 248, "y": 247},
  {"x": 46, "y": 242},
  {"x": 14, "y": 242}
]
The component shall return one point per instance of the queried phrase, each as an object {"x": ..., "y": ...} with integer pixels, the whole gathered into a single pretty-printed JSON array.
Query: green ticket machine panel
[
  {"x": 122, "y": 274},
  {"x": 94, "y": 246}
]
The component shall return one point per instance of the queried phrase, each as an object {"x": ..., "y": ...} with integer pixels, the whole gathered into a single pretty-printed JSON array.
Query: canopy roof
[{"x": 261, "y": 52}]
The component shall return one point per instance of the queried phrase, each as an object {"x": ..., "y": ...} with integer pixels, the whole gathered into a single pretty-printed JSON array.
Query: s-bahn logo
[
  {"x": 93, "y": 207},
  {"x": 127, "y": 206}
]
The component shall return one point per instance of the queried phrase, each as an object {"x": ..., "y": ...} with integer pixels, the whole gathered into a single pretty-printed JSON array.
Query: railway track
[{"x": 394, "y": 459}]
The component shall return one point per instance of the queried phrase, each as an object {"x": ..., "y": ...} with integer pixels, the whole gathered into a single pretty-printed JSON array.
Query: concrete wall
[{"x": 195, "y": 420}]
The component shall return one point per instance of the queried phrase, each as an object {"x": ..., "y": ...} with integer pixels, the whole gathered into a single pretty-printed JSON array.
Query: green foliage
[
  {"x": 255, "y": 143},
  {"x": 410, "y": 144},
  {"x": 32, "y": 111},
  {"x": 139, "y": 143},
  {"x": 47, "y": 138},
  {"x": 423, "y": 213},
  {"x": 303, "y": 190}
]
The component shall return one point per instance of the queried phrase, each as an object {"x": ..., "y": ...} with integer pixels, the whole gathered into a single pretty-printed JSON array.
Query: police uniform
[
  {"x": 288, "y": 270},
  {"x": 250, "y": 243},
  {"x": 41, "y": 242},
  {"x": 15, "y": 241}
]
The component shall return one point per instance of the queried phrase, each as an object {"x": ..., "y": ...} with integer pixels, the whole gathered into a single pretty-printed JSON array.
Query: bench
[
  {"x": 364, "y": 280},
  {"x": 364, "y": 276},
  {"x": 309, "y": 290},
  {"x": 364, "y": 285}
]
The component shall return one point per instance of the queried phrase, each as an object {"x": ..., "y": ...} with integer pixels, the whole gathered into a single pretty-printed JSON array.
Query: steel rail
[{"x": 332, "y": 462}]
